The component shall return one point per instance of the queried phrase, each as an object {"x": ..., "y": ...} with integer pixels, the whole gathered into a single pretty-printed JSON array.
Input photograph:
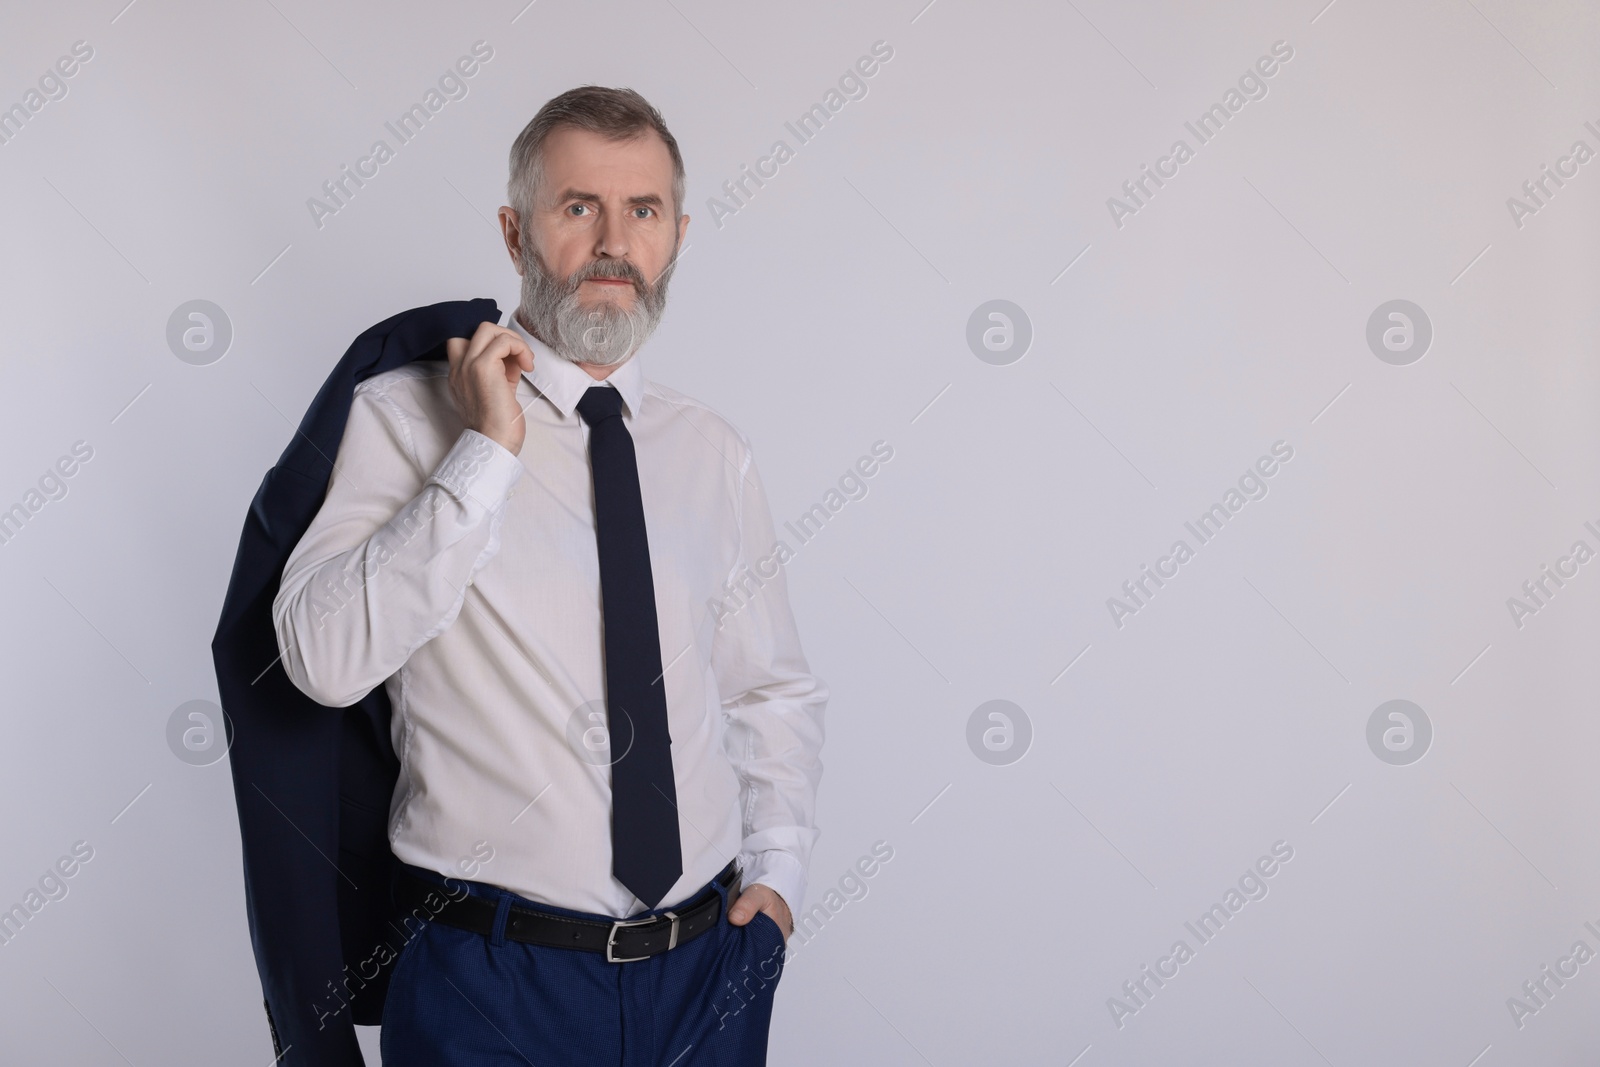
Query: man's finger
[
  {"x": 461, "y": 349},
  {"x": 751, "y": 901},
  {"x": 482, "y": 334},
  {"x": 509, "y": 353}
]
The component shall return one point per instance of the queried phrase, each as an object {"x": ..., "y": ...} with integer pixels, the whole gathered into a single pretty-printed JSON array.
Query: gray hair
[{"x": 618, "y": 114}]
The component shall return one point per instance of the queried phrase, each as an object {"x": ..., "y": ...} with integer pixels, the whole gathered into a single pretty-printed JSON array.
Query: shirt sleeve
[
  {"x": 386, "y": 562},
  {"x": 774, "y": 706}
]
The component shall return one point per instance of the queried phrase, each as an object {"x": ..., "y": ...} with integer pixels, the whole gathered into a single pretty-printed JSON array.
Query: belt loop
[{"x": 497, "y": 934}]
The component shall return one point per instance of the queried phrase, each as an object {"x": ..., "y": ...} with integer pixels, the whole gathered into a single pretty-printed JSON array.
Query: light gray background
[{"x": 824, "y": 316}]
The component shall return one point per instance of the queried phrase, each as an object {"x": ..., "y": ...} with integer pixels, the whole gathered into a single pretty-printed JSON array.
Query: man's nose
[{"x": 612, "y": 238}]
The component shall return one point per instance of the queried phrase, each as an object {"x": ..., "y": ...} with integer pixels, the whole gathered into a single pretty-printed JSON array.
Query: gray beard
[{"x": 603, "y": 336}]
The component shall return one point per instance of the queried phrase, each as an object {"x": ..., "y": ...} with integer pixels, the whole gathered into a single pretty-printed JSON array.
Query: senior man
[{"x": 526, "y": 547}]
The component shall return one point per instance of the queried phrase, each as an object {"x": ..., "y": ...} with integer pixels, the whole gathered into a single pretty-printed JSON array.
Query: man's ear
[
  {"x": 683, "y": 227},
  {"x": 511, "y": 230}
]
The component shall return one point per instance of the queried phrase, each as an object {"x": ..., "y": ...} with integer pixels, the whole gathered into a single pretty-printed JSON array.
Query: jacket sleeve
[
  {"x": 385, "y": 564},
  {"x": 774, "y": 706}
]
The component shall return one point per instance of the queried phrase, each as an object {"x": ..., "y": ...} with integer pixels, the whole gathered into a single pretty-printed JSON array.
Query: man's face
[{"x": 597, "y": 248}]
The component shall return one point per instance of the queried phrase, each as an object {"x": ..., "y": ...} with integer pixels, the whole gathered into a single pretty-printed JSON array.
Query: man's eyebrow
[{"x": 646, "y": 199}]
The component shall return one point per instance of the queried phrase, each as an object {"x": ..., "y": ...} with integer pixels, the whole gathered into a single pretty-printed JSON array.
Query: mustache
[
  {"x": 608, "y": 268},
  {"x": 605, "y": 334}
]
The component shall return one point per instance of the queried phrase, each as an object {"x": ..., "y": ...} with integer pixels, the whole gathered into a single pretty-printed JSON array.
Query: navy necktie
[{"x": 646, "y": 854}]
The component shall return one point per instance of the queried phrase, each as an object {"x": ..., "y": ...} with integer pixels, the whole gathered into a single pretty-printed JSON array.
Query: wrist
[{"x": 506, "y": 439}]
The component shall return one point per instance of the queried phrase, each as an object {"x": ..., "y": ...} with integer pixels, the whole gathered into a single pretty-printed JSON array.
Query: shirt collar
[{"x": 563, "y": 382}]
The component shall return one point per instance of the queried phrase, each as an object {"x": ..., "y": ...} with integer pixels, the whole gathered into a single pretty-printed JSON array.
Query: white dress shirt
[{"x": 466, "y": 580}]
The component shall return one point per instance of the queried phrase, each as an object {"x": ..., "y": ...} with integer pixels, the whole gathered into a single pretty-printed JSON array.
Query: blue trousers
[{"x": 459, "y": 999}]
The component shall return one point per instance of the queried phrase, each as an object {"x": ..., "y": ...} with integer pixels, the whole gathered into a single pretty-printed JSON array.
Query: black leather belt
[{"x": 621, "y": 940}]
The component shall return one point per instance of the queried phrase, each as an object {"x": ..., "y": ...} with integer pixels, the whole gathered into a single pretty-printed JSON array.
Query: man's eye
[
  {"x": 579, "y": 207},
  {"x": 643, "y": 209}
]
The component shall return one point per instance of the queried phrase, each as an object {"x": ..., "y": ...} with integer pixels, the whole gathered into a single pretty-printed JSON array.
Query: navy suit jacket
[{"x": 313, "y": 783}]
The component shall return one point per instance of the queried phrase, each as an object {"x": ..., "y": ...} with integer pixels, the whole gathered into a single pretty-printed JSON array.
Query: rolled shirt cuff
[{"x": 478, "y": 471}]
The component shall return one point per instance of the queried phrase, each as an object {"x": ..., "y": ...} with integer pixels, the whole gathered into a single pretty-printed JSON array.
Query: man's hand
[
  {"x": 483, "y": 382},
  {"x": 760, "y": 898}
]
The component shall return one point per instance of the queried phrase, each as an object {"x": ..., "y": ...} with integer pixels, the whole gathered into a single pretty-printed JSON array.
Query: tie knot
[{"x": 600, "y": 402}]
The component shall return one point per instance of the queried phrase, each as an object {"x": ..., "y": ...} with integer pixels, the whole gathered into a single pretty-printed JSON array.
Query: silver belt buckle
[{"x": 618, "y": 924}]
